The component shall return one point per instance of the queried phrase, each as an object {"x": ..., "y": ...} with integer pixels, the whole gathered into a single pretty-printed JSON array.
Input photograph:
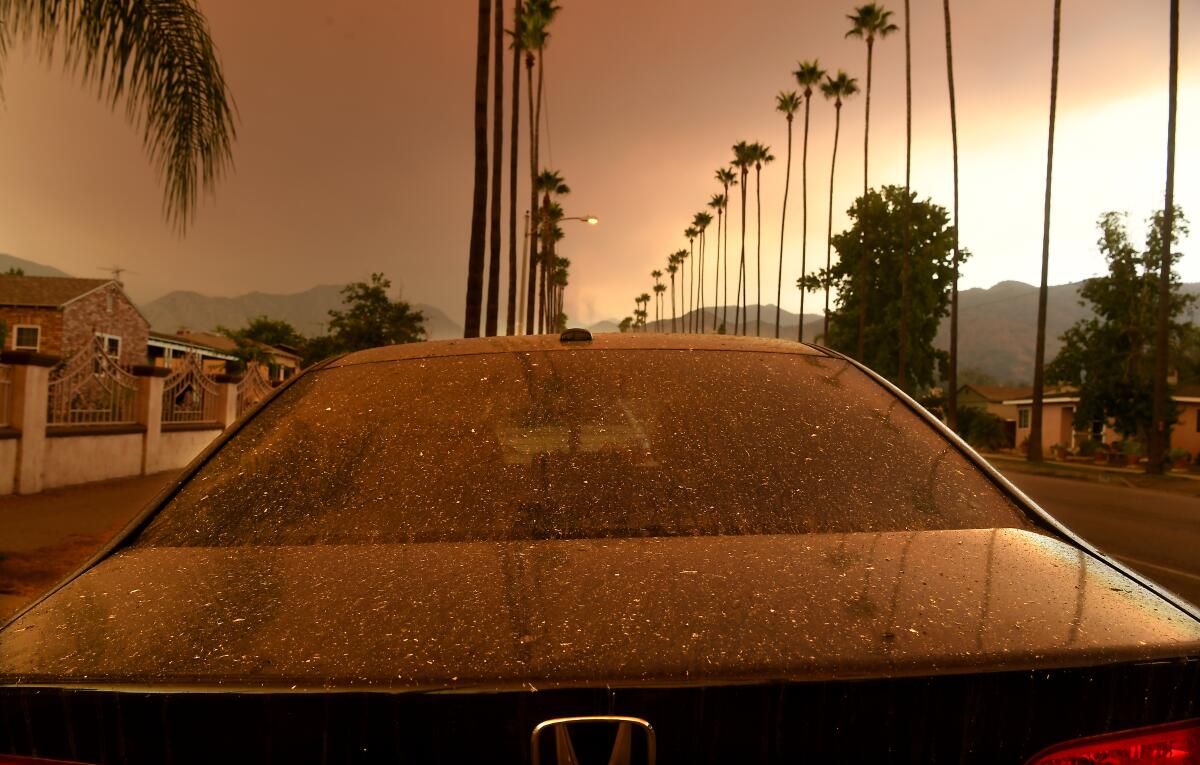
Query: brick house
[{"x": 58, "y": 315}]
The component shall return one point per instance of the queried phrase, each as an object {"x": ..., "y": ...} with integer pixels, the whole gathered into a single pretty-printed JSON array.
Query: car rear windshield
[{"x": 580, "y": 444}]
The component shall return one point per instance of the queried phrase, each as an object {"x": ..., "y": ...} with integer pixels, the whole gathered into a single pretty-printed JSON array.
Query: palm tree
[
  {"x": 726, "y": 177},
  {"x": 905, "y": 258},
  {"x": 1160, "y": 435},
  {"x": 786, "y": 103},
  {"x": 550, "y": 184},
  {"x": 700, "y": 222},
  {"x": 643, "y": 300},
  {"x": 762, "y": 156},
  {"x": 867, "y": 22},
  {"x": 1039, "y": 358},
  {"x": 717, "y": 202},
  {"x": 672, "y": 267},
  {"x": 160, "y": 58},
  {"x": 659, "y": 289},
  {"x": 474, "y": 301},
  {"x": 657, "y": 276},
  {"x": 558, "y": 288},
  {"x": 493, "y": 282},
  {"x": 743, "y": 157},
  {"x": 510, "y": 325},
  {"x": 952, "y": 394},
  {"x": 681, "y": 256},
  {"x": 838, "y": 88},
  {"x": 691, "y": 233},
  {"x": 807, "y": 75},
  {"x": 534, "y": 34}
]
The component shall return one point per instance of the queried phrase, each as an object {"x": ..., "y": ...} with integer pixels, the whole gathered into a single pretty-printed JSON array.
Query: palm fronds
[{"x": 157, "y": 56}]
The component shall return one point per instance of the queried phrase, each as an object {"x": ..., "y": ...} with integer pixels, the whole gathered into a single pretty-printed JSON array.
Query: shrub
[{"x": 981, "y": 429}]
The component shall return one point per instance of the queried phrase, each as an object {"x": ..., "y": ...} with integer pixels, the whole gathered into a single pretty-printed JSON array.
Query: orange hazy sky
[{"x": 355, "y": 148}]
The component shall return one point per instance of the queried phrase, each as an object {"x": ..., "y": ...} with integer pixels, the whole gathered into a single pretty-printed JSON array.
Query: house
[
  {"x": 59, "y": 315},
  {"x": 216, "y": 349},
  {"x": 994, "y": 400},
  {"x": 1058, "y": 412}
]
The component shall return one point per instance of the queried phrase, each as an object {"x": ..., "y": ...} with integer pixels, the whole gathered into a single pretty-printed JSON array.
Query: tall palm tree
[
  {"x": 952, "y": 394},
  {"x": 534, "y": 34},
  {"x": 659, "y": 289},
  {"x": 474, "y": 300},
  {"x": 160, "y": 59},
  {"x": 867, "y": 23},
  {"x": 657, "y": 276},
  {"x": 672, "y": 268},
  {"x": 743, "y": 158},
  {"x": 681, "y": 257},
  {"x": 643, "y": 300},
  {"x": 1039, "y": 358},
  {"x": 1160, "y": 434},
  {"x": 786, "y": 103},
  {"x": 510, "y": 325},
  {"x": 726, "y": 177},
  {"x": 838, "y": 88},
  {"x": 700, "y": 222},
  {"x": 551, "y": 185},
  {"x": 717, "y": 202},
  {"x": 492, "y": 319},
  {"x": 762, "y": 156},
  {"x": 906, "y": 255},
  {"x": 808, "y": 74},
  {"x": 690, "y": 233}
]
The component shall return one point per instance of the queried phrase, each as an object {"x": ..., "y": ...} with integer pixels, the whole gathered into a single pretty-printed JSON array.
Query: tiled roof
[
  {"x": 997, "y": 393},
  {"x": 45, "y": 291}
]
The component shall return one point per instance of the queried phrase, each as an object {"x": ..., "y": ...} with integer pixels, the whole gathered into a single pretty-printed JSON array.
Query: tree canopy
[
  {"x": 877, "y": 234},
  {"x": 1110, "y": 357}
]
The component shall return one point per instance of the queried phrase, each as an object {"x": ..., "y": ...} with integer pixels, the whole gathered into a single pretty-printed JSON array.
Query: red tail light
[{"x": 1173, "y": 744}]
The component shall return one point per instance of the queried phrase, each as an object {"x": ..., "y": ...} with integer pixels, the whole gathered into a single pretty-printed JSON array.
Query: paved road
[{"x": 1156, "y": 533}]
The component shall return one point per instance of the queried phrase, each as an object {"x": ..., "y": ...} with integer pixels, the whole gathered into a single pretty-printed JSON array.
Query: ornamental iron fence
[
  {"x": 253, "y": 388},
  {"x": 189, "y": 394},
  {"x": 91, "y": 388}
]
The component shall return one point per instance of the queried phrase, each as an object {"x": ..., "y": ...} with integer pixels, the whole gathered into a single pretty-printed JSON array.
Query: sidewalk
[
  {"x": 44, "y": 537},
  {"x": 1135, "y": 477}
]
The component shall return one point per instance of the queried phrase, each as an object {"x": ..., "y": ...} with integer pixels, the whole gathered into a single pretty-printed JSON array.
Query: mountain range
[{"x": 996, "y": 325}]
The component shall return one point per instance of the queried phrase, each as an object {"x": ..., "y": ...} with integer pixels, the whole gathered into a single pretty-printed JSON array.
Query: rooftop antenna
[{"x": 116, "y": 271}]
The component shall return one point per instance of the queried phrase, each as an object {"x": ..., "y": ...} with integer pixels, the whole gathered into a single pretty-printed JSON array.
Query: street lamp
[{"x": 591, "y": 220}]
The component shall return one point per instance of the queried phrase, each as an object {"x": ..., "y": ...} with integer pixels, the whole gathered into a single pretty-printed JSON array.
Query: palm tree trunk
[
  {"x": 787, "y": 180},
  {"x": 717, "y": 268},
  {"x": 479, "y": 206},
  {"x": 535, "y": 231},
  {"x": 905, "y": 266},
  {"x": 837, "y": 127},
  {"x": 741, "y": 263},
  {"x": 725, "y": 281},
  {"x": 1160, "y": 439},
  {"x": 864, "y": 271},
  {"x": 952, "y": 397},
  {"x": 673, "y": 304},
  {"x": 700, "y": 286},
  {"x": 493, "y": 292},
  {"x": 691, "y": 309},
  {"x": 758, "y": 251},
  {"x": 510, "y": 326},
  {"x": 543, "y": 263},
  {"x": 804, "y": 213},
  {"x": 1039, "y": 359}
]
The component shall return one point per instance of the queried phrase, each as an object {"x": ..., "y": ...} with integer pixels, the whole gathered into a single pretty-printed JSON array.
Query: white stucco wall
[
  {"x": 176, "y": 449},
  {"x": 79, "y": 459}
]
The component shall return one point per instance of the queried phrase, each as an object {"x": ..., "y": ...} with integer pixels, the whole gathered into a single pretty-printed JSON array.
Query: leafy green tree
[
  {"x": 877, "y": 233},
  {"x": 371, "y": 319},
  {"x": 157, "y": 57},
  {"x": 14, "y": 271},
  {"x": 626, "y": 324},
  {"x": 1110, "y": 357},
  {"x": 262, "y": 331},
  {"x": 981, "y": 429}
]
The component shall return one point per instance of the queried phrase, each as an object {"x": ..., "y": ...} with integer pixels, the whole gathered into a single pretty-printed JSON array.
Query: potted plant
[
  {"x": 1133, "y": 452},
  {"x": 1180, "y": 458},
  {"x": 1061, "y": 452}
]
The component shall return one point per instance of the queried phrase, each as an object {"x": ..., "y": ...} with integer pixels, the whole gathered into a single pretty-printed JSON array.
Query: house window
[
  {"x": 27, "y": 337},
  {"x": 111, "y": 344},
  {"x": 1023, "y": 418}
]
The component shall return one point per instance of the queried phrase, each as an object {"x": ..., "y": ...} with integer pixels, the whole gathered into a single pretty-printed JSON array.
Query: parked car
[{"x": 695, "y": 549}]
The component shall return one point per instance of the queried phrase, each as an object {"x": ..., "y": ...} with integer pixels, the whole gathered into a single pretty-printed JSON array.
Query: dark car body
[{"x": 420, "y": 553}]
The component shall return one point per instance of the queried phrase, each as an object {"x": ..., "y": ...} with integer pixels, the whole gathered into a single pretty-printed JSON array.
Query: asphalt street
[{"x": 1156, "y": 533}]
